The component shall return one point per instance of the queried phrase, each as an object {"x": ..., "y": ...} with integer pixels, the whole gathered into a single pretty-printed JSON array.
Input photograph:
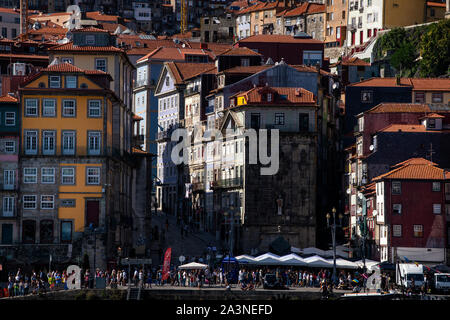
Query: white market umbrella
[{"x": 193, "y": 265}]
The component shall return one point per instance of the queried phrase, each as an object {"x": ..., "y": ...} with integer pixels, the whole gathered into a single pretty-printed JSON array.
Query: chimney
[{"x": 298, "y": 93}]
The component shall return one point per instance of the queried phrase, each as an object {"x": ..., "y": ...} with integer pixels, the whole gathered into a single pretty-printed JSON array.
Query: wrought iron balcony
[
  {"x": 198, "y": 186},
  {"x": 228, "y": 183}
]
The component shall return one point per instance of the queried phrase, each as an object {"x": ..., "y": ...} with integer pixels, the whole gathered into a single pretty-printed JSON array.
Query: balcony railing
[
  {"x": 138, "y": 139},
  {"x": 141, "y": 83},
  {"x": 190, "y": 91},
  {"x": 198, "y": 186},
  {"x": 166, "y": 134},
  {"x": 228, "y": 183}
]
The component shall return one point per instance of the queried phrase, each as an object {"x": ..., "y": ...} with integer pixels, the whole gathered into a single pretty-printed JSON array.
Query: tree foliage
[
  {"x": 402, "y": 47},
  {"x": 435, "y": 50}
]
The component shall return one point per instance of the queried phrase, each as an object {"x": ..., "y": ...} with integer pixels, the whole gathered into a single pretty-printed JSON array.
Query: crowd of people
[{"x": 20, "y": 283}]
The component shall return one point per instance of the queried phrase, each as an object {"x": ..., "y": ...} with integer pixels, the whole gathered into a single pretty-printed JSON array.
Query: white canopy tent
[
  {"x": 316, "y": 261},
  {"x": 344, "y": 264},
  {"x": 245, "y": 259},
  {"x": 293, "y": 260},
  {"x": 193, "y": 265},
  {"x": 268, "y": 259}
]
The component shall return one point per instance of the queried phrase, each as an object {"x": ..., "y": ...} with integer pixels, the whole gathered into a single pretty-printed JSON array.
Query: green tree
[
  {"x": 435, "y": 50},
  {"x": 403, "y": 58}
]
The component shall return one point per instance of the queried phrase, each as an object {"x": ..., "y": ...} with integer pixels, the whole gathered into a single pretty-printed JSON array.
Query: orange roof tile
[
  {"x": 431, "y": 84},
  {"x": 414, "y": 161},
  {"x": 23, "y": 56},
  {"x": 382, "y": 82},
  {"x": 409, "y": 128},
  {"x": 297, "y": 11},
  {"x": 435, "y": 4},
  {"x": 399, "y": 107},
  {"x": 137, "y": 118},
  {"x": 183, "y": 70},
  {"x": 432, "y": 116},
  {"x": 239, "y": 51},
  {"x": 315, "y": 8},
  {"x": 414, "y": 172},
  {"x": 354, "y": 61},
  {"x": 71, "y": 47},
  {"x": 167, "y": 54},
  {"x": 90, "y": 29},
  {"x": 8, "y": 98},
  {"x": 97, "y": 15},
  {"x": 282, "y": 96}
]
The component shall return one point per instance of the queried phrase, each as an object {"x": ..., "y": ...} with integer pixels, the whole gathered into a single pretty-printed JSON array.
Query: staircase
[{"x": 134, "y": 293}]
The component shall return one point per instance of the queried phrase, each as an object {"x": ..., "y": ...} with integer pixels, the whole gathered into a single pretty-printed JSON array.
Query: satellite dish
[
  {"x": 374, "y": 212},
  {"x": 75, "y": 19},
  {"x": 371, "y": 147}
]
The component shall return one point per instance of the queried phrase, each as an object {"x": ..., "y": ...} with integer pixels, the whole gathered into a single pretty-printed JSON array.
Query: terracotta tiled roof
[
  {"x": 410, "y": 128},
  {"x": 23, "y": 56},
  {"x": 399, "y": 107},
  {"x": 183, "y": 70},
  {"x": 435, "y": 4},
  {"x": 432, "y": 116},
  {"x": 297, "y": 11},
  {"x": 71, "y": 47},
  {"x": 90, "y": 29},
  {"x": 431, "y": 84},
  {"x": 8, "y": 98},
  {"x": 137, "y": 118},
  {"x": 354, "y": 61},
  {"x": 255, "y": 69},
  {"x": 62, "y": 67},
  {"x": 96, "y": 15},
  {"x": 282, "y": 96},
  {"x": 271, "y": 38},
  {"x": 414, "y": 161},
  {"x": 49, "y": 30},
  {"x": 167, "y": 54},
  {"x": 239, "y": 51},
  {"x": 414, "y": 172},
  {"x": 437, "y": 84},
  {"x": 112, "y": 27},
  {"x": 315, "y": 8}
]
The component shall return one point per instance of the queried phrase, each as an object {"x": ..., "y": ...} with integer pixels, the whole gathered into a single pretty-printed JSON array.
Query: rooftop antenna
[{"x": 431, "y": 152}]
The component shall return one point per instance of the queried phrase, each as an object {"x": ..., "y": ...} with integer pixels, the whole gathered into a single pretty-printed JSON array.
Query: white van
[
  {"x": 406, "y": 272},
  {"x": 442, "y": 282}
]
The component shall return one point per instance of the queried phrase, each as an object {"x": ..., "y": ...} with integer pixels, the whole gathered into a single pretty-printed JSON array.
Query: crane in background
[{"x": 184, "y": 16}]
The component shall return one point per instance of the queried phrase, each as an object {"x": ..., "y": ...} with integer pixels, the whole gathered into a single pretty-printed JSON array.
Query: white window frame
[
  {"x": 46, "y": 175},
  {"x": 93, "y": 173},
  {"x": 30, "y": 173},
  {"x": 65, "y": 175},
  {"x": 9, "y": 179},
  {"x": 90, "y": 39},
  {"x": 93, "y": 108},
  {"x": 101, "y": 68},
  {"x": 70, "y": 83},
  {"x": 436, "y": 187},
  {"x": 48, "y": 142},
  {"x": 94, "y": 135},
  {"x": 437, "y": 208},
  {"x": 10, "y": 147},
  {"x": 47, "y": 202},
  {"x": 67, "y": 108},
  {"x": 54, "y": 82},
  {"x": 397, "y": 230},
  {"x": 65, "y": 142},
  {"x": 11, "y": 117},
  {"x": 34, "y": 136},
  {"x": 8, "y": 206},
  {"x": 29, "y": 201},
  {"x": 28, "y": 108},
  {"x": 46, "y": 108}
]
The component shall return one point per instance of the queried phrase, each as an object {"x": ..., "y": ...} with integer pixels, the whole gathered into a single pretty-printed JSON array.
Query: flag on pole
[{"x": 166, "y": 265}]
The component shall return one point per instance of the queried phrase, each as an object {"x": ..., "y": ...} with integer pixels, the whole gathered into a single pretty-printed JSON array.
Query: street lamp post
[{"x": 333, "y": 236}]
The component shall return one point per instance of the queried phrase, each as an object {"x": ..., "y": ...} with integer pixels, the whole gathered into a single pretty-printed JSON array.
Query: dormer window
[
  {"x": 269, "y": 97},
  {"x": 431, "y": 123},
  {"x": 245, "y": 62},
  {"x": 54, "y": 81},
  {"x": 90, "y": 39}
]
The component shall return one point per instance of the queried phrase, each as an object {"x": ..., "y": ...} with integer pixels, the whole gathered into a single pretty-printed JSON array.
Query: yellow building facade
[{"x": 66, "y": 135}]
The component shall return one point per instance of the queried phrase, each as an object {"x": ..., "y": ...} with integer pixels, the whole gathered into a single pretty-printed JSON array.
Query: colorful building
[
  {"x": 68, "y": 162},
  {"x": 9, "y": 160}
]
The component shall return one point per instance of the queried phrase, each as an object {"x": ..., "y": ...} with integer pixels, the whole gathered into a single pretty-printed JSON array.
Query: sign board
[
  {"x": 136, "y": 261},
  {"x": 181, "y": 258}
]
